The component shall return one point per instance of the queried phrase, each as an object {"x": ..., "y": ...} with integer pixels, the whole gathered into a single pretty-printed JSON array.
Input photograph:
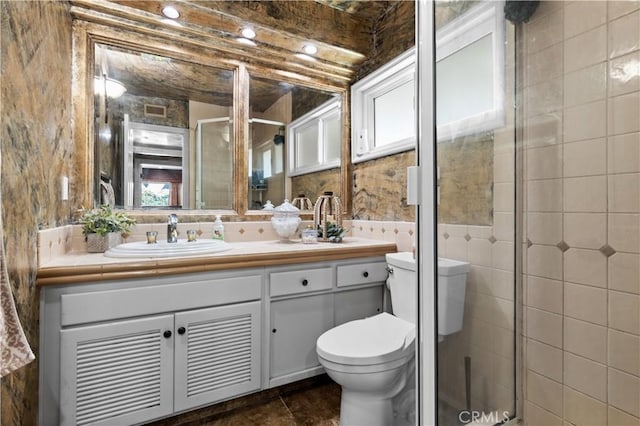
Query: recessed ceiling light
[
  {"x": 246, "y": 41},
  {"x": 310, "y": 49},
  {"x": 248, "y": 33},
  {"x": 170, "y": 12}
]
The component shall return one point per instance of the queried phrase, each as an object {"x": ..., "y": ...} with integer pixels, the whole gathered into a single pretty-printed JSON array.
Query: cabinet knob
[
  {"x": 181, "y": 330},
  {"x": 274, "y": 330},
  {"x": 305, "y": 282},
  {"x": 166, "y": 334},
  {"x": 365, "y": 274}
]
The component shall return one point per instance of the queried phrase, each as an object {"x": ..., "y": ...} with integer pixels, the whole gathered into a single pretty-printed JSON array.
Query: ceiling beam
[
  {"x": 224, "y": 48},
  {"x": 287, "y": 35}
]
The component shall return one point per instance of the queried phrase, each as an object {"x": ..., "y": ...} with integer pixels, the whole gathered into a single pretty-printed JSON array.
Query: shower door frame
[{"x": 426, "y": 365}]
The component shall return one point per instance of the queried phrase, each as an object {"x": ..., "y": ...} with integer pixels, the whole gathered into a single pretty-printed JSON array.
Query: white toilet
[{"x": 373, "y": 358}]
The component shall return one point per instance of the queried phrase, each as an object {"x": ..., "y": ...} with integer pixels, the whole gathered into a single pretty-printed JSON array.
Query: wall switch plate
[{"x": 65, "y": 188}]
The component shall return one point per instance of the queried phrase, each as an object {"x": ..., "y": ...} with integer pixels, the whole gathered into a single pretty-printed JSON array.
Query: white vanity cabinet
[
  {"x": 133, "y": 350},
  {"x": 305, "y": 301},
  {"x": 198, "y": 341}
]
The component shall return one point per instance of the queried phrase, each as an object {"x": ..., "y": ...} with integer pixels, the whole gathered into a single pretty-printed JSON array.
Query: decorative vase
[
  {"x": 285, "y": 220},
  {"x": 302, "y": 202},
  {"x": 101, "y": 243},
  {"x": 328, "y": 209}
]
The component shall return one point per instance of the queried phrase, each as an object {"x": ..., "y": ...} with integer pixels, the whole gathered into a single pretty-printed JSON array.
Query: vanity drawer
[
  {"x": 302, "y": 281},
  {"x": 80, "y": 308},
  {"x": 362, "y": 273}
]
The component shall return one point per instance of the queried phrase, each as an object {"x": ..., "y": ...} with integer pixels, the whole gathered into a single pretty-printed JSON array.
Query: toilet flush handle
[{"x": 389, "y": 270}]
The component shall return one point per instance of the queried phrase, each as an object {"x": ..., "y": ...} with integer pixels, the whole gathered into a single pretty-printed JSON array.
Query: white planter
[{"x": 101, "y": 243}]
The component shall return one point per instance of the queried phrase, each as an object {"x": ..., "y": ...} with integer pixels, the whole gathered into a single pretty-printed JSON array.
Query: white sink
[{"x": 164, "y": 249}]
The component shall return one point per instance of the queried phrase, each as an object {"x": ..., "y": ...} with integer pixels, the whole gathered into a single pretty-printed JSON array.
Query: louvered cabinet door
[
  {"x": 217, "y": 354},
  {"x": 118, "y": 373}
]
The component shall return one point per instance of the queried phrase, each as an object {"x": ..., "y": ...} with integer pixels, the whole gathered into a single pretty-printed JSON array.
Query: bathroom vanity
[{"x": 127, "y": 342}]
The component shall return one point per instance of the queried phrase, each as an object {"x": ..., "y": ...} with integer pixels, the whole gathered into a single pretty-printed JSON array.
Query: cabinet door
[
  {"x": 296, "y": 324},
  {"x": 118, "y": 373},
  {"x": 217, "y": 354},
  {"x": 358, "y": 304}
]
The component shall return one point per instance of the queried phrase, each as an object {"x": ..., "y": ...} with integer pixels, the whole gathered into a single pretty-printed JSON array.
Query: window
[
  {"x": 278, "y": 159},
  {"x": 469, "y": 72},
  {"x": 266, "y": 163},
  {"x": 383, "y": 110},
  {"x": 314, "y": 140}
]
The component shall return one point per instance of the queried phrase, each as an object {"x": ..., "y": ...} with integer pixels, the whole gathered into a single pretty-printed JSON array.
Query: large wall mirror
[
  {"x": 163, "y": 132},
  {"x": 273, "y": 105},
  {"x": 175, "y": 128}
]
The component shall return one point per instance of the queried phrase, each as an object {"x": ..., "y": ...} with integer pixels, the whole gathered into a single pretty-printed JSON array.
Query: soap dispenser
[{"x": 218, "y": 229}]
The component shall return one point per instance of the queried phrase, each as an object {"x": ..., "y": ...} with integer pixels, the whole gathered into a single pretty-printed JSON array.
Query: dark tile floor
[
  {"x": 316, "y": 406},
  {"x": 311, "y": 402}
]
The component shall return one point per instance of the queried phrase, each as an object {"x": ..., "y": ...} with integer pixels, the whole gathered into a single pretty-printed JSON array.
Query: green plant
[
  {"x": 103, "y": 220},
  {"x": 335, "y": 232}
]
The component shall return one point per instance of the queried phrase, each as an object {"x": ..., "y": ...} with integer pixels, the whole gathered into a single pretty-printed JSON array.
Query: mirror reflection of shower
[
  {"x": 214, "y": 163},
  {"x": 159, "y": 171}
]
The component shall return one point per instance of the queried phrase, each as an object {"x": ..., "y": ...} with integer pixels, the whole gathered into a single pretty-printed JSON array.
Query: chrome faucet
[{"x": 172, "y": 228}]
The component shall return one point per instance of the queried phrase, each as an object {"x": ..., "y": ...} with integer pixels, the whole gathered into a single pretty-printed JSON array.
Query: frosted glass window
[
  {"x": 278, "y": 161},
  {"x": 307, "y": 145},
  {"x": 317, "y": 139},
  {"x": 394, "y": 116},
  {"x": 332, "y": 137},
  {"x": 461, "y": 93},
  {"x": 470, "y": 72},
  {"x": 266, "y": 163},
  {"x": 383, "y": 110}
]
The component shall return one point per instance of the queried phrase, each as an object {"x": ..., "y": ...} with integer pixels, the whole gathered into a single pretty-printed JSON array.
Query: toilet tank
[
  {"x": 452, "y": 284},
  {"x": 403, "y": 285}
]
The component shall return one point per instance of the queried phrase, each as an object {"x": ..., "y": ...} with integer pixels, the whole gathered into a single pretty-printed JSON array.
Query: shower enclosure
[
  {"x": 214, "y": 164},
  {"x": 530, "y": 158},
  {"x": 475, "y": 153}
]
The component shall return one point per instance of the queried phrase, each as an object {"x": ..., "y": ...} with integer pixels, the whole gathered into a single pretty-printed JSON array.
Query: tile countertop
[{"x": 86, "y": 267}]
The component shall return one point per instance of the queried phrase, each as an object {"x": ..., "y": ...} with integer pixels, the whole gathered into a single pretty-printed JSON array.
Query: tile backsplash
[{"x": 55, "y": 242}]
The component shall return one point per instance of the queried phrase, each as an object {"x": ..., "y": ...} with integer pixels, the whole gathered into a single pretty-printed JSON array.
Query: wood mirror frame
[{"x": 87, "y": 34}]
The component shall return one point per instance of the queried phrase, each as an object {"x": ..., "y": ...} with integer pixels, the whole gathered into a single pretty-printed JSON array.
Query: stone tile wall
[
  {"x": 379, "y": 188},
  {"x": 37, "y": 150}
]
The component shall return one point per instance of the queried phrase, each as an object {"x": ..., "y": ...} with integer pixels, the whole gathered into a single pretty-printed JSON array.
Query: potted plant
[{"x": 103, "y": 228}]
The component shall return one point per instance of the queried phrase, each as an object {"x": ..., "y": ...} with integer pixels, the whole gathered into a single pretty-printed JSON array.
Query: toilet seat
[{"x": 380, "y": 339}]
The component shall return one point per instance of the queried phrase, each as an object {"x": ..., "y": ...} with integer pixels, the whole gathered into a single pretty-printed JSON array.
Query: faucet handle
[{"x": 172, "y": 219}]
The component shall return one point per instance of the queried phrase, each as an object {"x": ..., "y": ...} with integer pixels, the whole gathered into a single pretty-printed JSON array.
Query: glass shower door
[
  {"x": 475, "y": 180},
  {"x": 214, "y": 164}
]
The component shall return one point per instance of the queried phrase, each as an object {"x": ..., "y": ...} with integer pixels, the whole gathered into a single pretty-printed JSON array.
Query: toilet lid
[{"x": 378, "y": 339}]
